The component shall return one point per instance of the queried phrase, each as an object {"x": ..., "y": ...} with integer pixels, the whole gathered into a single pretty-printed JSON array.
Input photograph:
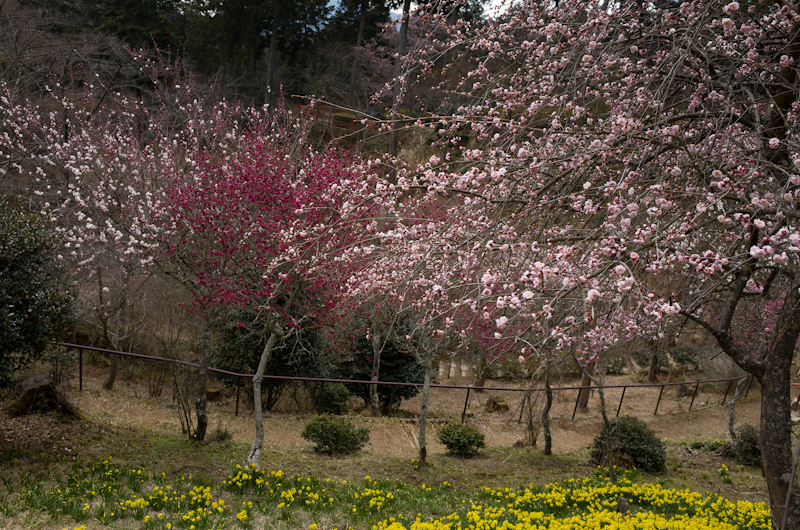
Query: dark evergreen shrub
[
  {"x": 239, "y": 346},
  {"x": 460, "y": 439},
  {"x": 334, "y": 435},
  {"x": 637, "y": 440},
  {"x": 335, "y": 399},
  {"x": 396, "y": 366},
  {"x": 747, "y": 446}
]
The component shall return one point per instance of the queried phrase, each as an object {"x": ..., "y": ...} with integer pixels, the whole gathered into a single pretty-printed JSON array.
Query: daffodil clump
[
  {"x": 109, "y": 494},
  {"x": 591, "y": 503}
]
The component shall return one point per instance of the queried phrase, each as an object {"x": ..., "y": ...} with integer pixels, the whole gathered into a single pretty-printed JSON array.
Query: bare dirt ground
[{"x": 130, "y": 405}]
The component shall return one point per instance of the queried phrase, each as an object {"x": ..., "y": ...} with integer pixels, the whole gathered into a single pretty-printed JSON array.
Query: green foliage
[
  {"x": 396, "y": 365},
  {"x": 140, "y": 23},
  {"x": 335, "y": 399},
  {"x": 34, "y": 307},
  {"x": 334, "y": 434},
  {"x": 240, "y": 344},
  {"x": 747, "y": 446},
  {"x": 637, "y": 440},
  {"x": 460, "y": 439}
]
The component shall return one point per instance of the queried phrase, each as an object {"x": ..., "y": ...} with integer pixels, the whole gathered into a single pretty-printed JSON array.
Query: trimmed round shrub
[
  {"x": 335, "y": 399},
  {"x": 461, "y": 440},
  {"x": 334, "y": 434},
  {"x": 747, "y": 446},
  {"x": 637, "y": 440}
]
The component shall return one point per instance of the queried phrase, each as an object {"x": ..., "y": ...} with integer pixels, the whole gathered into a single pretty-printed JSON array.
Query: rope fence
[{"x": 322, "y": 381}]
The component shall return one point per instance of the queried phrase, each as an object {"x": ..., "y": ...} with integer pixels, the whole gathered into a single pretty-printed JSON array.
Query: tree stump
[
  {"x": 496, "y": 404},
  {"x": 39, "y": 394}
]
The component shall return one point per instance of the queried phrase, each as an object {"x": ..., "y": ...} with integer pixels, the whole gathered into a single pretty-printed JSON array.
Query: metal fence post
[
  {"x": 696, "y": 388},
  {"x": 624, "y": 388},
  {"x": 466, "y": 402},
  {"x": 727, "y": 389},
  {"x": 748, "y": 386},
  {"x": 577, "y": 400},
  {"x": 655, "y": 412}
]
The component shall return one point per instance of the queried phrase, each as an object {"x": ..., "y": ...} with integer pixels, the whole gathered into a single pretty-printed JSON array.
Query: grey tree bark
[
  {"x": 548, "y": 439},
  {"x": 255, "y": 449},
  {"x": 423, "y": 412},
  {"x": 202, "y": 378},
  {"x": 377, "y": 348}
]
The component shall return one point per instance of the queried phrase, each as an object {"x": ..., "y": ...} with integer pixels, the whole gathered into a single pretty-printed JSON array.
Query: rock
[
  {"x": 496, "y": 404},
  {"x": 213, "y": 392},
  {"x": 39, "y": 394},
  {"x": 683, "y": 391}
]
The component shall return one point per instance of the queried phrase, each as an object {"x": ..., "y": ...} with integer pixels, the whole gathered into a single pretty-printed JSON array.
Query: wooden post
[
  {"x": 80, "y": 369},
  {"x": 624, "y": 388},
  {"x": 655, "y": 412},
  {"x": 748, "y": 386}
]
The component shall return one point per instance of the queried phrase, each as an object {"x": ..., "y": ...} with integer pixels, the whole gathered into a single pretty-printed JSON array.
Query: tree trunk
[
  {"x": 732, "y": 410},
  {"x": 548, "y": 440},
  {"x": 362, "y": 20},
  {"x": 273, "y": 54},
  {"x": 583, "y": 396},
  {"x": 113, "y": 368},
  {"x": 652, "y": 365},
  {"x": 374, "y": 400},
  {"x": 610, "y": 445},
  {"x": 423, "y": 412},
  {"x": 202, "y": 378},
  {"x": 398, "y": 70},
  {"x": 258, "y": 441},
  {"x": 774, "y": 376},
  {"x": 483, "y": 370},
  {"x": 776, "y": 435}
]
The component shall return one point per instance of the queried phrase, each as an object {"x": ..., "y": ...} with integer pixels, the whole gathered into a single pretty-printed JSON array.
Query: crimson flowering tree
[
  {"x": 232, "y": 203},
  {"x": 263, "y": 229},
  {"x": 637, "y": 164}
]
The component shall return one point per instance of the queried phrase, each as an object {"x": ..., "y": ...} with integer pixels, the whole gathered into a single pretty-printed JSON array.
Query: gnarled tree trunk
[
  {"x": 548, "y": 439},
  {"x": 776, "y": 434}
]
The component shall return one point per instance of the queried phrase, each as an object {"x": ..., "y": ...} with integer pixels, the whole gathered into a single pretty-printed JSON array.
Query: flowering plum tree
[
  {"x": 100, "y": 159},
  {"x": 637, "y": 164},
  {"x": 261, "y": 228}
]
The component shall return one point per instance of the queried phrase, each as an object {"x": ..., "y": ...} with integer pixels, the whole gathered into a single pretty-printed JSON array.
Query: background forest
[{"x": 339, "y": 52}]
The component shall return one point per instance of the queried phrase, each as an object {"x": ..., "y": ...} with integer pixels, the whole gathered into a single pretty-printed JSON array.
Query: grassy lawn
[{"x": 97, "y": 476}]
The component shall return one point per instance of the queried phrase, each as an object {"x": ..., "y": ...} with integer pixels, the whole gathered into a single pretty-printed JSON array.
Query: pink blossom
[{"x": 732, "y": 8}]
